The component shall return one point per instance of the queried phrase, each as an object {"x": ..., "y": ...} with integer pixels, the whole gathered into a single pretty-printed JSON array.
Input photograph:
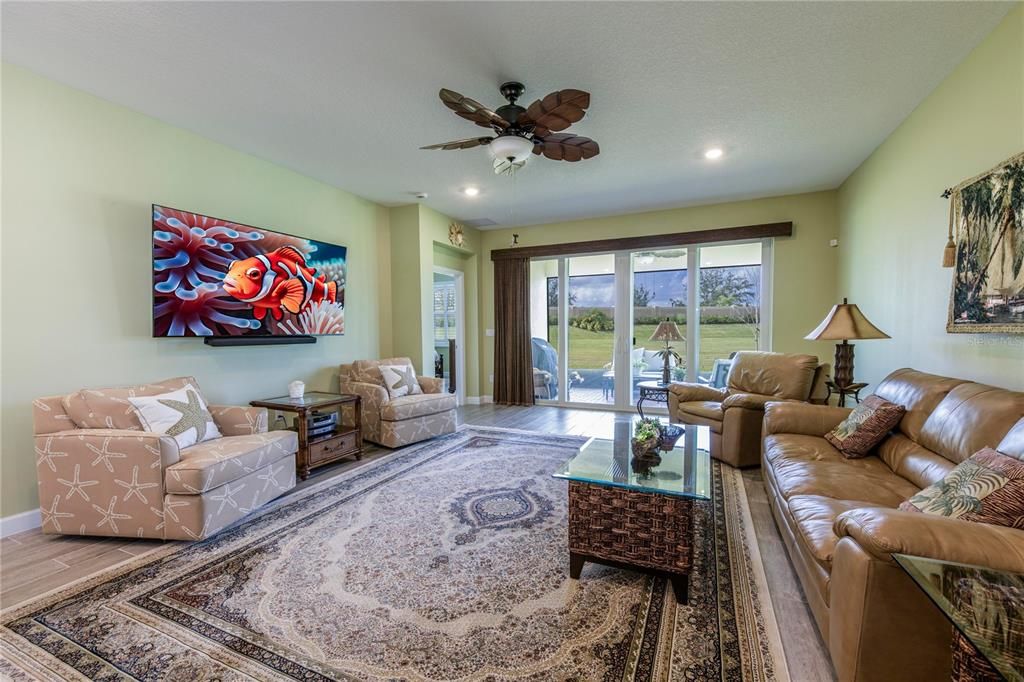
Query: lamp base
[
  {"x": 843, "y": 371},
  {"x": 666, "y": 372}
]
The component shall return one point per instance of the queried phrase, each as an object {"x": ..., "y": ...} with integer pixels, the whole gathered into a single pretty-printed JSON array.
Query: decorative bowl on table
[{"x": 670, "y": 435}]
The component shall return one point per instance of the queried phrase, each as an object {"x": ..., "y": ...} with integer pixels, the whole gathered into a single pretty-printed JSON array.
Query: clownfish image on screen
[{"x": 214, "y": 277}]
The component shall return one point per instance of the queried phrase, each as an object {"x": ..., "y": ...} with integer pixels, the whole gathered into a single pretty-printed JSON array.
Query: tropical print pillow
[
  {"x": 400, "y": 380},
  {"x": 865, "y": 427},
  {"x": 987, "y": 488},
  {"x": 182, "y": 415}
]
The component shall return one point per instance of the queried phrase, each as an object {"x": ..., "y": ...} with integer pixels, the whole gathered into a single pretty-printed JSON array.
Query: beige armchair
[
  {"x": 735, "y": 412},
  {"x": 394, "y": 422},
  {"x": 99, "y": 473}
]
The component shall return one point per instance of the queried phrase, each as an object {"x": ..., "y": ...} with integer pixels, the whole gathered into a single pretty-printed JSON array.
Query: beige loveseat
[
  {"x": 99, "y": 473},
  {"x": 735, "y": 412},
  {"x": 840, "y": 524},
  {"x": 394, "y": 422}
]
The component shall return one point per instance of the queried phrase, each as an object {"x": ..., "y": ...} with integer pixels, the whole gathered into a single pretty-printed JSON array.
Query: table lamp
[
  {"x": 844, "y": 322},
  {"x": 667, "y": 331}
]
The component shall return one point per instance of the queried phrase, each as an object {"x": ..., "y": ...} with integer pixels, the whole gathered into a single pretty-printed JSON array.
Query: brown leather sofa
[
  {"x": 840, "y": 524},
  {"x": 735, "y": 412}
]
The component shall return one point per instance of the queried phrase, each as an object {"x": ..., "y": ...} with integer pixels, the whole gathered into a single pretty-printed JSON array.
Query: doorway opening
[{"x": 449, "y": 331}]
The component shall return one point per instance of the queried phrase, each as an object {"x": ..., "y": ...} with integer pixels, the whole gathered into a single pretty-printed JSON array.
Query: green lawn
[{"x": 593, "y": 350}]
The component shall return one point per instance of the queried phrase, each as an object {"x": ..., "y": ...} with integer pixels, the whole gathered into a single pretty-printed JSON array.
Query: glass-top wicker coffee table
[{"x": 637, "y": 513}]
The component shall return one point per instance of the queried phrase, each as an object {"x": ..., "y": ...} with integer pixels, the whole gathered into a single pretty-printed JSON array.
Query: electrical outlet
[
  {"x": 492, "y": 378},
  {"x": 833, "y": 243},
  {"x": 489, "y": 332}
]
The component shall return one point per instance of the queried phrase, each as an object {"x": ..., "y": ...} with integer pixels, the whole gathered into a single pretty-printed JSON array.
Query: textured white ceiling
[{"x": 798, "y": 94}]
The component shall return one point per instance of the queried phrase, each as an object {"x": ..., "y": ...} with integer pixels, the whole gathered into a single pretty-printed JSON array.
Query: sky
[{"x": 599, "y": 290}]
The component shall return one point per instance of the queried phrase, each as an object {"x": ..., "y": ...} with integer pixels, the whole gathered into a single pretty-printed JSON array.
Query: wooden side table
[{"x": 345, "y": 440}]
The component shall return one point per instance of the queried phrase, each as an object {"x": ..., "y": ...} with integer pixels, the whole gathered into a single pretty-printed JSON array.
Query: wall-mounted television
[{"x": 217, "y": 278}]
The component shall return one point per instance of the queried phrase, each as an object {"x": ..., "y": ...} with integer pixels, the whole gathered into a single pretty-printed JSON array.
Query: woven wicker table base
[{"x": 625, "y": 528}]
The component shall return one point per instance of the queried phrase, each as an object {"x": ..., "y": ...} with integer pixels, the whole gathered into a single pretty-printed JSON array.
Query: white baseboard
[
  {"x": 479, "y": 400},
  {"x": 16, "y": 523},
  {"x": 486, "y": 399}
]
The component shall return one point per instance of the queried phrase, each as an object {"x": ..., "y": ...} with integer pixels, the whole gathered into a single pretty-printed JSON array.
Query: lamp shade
[
  {"x": 666, "y": 331},
  {"x": 510, "y": 148},
  {"x": 845, "y": 321}
]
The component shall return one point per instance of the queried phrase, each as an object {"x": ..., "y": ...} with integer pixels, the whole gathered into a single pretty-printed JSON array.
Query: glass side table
[{"x": 986, "y": 608}]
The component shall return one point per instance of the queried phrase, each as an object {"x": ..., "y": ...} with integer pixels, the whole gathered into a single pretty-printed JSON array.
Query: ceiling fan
[{"x": 520, "y": 131}]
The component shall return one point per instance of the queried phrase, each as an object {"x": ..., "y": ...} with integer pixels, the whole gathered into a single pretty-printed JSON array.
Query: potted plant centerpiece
[{"x": 646, "y": 436}]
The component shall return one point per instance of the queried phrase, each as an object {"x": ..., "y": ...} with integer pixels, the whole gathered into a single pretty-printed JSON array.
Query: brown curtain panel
[{"x": 513, "y": 356}]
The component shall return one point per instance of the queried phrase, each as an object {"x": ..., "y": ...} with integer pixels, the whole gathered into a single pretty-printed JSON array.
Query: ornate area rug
[{"x": 444, "y": 561}]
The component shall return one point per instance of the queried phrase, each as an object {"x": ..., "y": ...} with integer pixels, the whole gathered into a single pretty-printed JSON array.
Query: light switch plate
[{"x": 489, "y": 332}]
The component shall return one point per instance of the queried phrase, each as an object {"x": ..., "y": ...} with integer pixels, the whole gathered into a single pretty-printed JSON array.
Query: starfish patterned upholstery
[
  {"x": 394, "y": 422},
  {"x": 100, "y": 473}
]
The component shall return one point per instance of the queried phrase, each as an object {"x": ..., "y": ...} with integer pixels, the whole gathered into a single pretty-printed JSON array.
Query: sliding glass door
[
  {"x": 593, "y": 318},
  {"x": 545, "y": 304},
  {"x": 591, "y": 332},
  {"x": 730, "y": 300},
  {"x": 659, "y": 295}
]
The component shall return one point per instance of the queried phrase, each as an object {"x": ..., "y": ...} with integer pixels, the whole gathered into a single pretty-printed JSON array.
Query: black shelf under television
[{"x": 227, "y": 341}]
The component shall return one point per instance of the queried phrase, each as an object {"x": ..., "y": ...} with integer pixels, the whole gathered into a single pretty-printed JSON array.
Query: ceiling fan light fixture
[{"x": 512, "y": 148}]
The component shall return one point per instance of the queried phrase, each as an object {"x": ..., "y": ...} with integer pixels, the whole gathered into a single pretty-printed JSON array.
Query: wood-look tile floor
[{"x": 32, "y": 564}]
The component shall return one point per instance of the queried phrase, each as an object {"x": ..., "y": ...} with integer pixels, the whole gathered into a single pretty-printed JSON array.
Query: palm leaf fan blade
[
  {"x": 471, "y": 110},
  {"x": 557, "y": 111},
  {"x": 568, "y": 147},
  {"x": 466, "y": 143}
]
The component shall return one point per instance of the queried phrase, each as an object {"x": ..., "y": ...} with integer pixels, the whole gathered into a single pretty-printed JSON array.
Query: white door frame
[
  {"x": 622, "y": 348},
  {"x": 460, "y": 330}
]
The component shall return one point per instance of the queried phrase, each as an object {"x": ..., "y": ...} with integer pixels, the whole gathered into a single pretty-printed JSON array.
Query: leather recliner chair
[{"x": 735, "y": 413}]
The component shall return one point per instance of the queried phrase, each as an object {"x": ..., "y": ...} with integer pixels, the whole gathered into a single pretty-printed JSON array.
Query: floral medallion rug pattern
[{"x": 444, "y": 561}]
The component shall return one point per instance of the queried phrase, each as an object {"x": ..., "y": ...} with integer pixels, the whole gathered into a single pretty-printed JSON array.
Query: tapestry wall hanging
[{"x": 986, "y": 248}]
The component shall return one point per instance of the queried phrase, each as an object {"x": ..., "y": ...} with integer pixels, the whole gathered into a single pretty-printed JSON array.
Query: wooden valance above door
[{"x": 653, "y": 241}]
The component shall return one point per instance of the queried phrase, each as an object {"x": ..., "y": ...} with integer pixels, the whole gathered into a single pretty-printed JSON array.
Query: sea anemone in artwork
[
  {"x": 335, "y": 271},
  {"x": 322, "y": 317},
  {"x": 191, "y": 252},
  {"x": 199, "y": 310}
]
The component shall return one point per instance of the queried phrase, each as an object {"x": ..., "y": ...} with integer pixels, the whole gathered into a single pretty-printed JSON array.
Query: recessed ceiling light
[
  {"x": 713, "y": 153},
  {"x": 471, "y": 191}
]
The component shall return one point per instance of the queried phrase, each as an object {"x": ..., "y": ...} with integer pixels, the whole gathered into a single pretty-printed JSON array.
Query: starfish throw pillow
[
  {"x": 182, "y": 415},
  {"x": 400, "y": 380}
]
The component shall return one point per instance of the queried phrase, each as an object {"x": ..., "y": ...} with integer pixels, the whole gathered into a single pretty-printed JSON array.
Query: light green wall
[
  {"x": 417, "y": 232},
  {"x": 804, "y": 264},
  {"x": 80, "y": 177},
  {"x": 408, "y": 317},
  {"x": 893, "y": 223}
]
